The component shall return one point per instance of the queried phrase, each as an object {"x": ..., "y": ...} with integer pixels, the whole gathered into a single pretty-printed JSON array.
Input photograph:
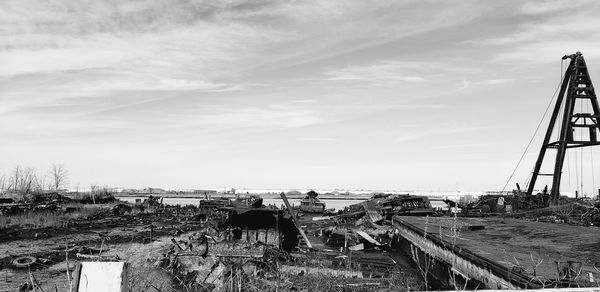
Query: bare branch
[
  {"x": 3, "y": 182},
  {"x": 59, "y": 176},
  {"x": 23, "y": 180}
]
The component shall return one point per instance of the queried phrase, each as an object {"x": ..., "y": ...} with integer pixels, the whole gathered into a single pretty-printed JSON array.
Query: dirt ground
[
  {"x": 143, "y": 240},
  {"x": 52, "y": 246}
]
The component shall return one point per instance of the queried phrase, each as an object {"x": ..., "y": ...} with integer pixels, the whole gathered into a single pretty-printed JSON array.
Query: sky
[{"x": 403, "y": 95}]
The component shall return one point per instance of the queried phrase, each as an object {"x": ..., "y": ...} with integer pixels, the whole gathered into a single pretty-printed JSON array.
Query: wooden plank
[
  {"x": 368, "y": 237},
  {"x": 357, "y": 247},
  {"x": 374, "y": 216}
]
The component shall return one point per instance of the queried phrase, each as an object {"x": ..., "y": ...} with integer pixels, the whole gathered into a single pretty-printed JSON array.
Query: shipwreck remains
[
  {"x": 499, "y": 253},
  {"x": 311, "y": 204}
]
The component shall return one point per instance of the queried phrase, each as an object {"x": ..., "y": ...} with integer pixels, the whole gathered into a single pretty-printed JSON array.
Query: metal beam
[
  {"x": 287, "y": 205},
  {"x": 545, "y": 144}
]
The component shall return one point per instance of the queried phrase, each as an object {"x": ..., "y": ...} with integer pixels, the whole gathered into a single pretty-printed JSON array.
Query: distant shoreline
[{"x": 202, "y": 196}]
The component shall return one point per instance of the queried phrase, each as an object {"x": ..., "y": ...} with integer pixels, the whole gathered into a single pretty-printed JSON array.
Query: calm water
[{"x": 335, "y": 204}]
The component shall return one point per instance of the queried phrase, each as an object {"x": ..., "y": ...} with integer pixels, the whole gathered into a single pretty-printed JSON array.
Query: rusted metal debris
[
  {"x": 289, "y": 208},
  {"x": 246, "y": 242}
]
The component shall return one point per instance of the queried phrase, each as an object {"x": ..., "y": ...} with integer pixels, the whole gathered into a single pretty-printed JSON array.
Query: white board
[{"x": 102, "y": 277}]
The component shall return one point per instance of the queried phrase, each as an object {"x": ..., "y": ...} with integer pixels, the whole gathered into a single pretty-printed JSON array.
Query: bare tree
[
  {"x": 2, "y": 182},
  {"x": 41, "y": 183},
  {"x": 59, "y": 176},
  {"x": 23, "y": 180},
  {"x": 15, "y": 178},
  {"x": 94, "y": 188},
  {"x": 28, "y": 180}
]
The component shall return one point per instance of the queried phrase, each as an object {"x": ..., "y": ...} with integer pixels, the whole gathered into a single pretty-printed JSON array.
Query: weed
[{"x": 40, "y": 219}]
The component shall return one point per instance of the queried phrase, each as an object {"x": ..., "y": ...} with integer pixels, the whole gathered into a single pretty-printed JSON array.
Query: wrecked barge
[
  {"x": 496, "y": 253},
  {"x": 311, "y": 204}
]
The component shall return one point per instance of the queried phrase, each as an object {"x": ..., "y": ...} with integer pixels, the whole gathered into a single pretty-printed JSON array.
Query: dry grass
[{"x": 40, "y": 219}]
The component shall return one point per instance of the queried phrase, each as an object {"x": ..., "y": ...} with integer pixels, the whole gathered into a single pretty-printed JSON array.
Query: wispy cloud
[
  {"x": 152, "y": 84},
  {"x": 210, "y": 36},
  {"x": 318, "y": 139},
  {"x": 555, "y": 6},
  {"x": 495, "y": 81},
  {"x": 304, "y": 101},
  {"x": 411, "y": 136},
  {"x": 458, "y": 146},
  {"x": 557, "y": 28},
  {"x": 257, "y": 118},
  {"x": 464, "y": 85},
  {"x": 397, "y": 72},
  {"x": 70, "y": 49},
  {"x": 383, "y": 72},
  {"x": 415, "y": 133}
]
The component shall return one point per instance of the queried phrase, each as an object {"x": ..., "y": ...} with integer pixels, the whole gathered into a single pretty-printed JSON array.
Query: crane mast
[{"x": 576, "y": 87}]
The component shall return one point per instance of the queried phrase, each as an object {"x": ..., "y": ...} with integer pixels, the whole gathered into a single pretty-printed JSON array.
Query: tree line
[{"x": 25, "y": 180}]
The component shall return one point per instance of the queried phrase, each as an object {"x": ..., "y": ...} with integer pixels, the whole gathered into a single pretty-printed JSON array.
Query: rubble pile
[
  {"x": 249, "y": 248},
  {"x": 574, "y": 211},
  {"x": 227, "y": 245}
]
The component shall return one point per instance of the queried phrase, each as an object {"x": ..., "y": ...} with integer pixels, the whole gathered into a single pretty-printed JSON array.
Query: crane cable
[
  {"x": 593, "y": 179},
  {"x": 537, "y": 128},
  {"x": 581, "y": 153},
  {"x": 569, "y": 167},
  {"x": 559, "y": 118},
  {"x": 577, "y": 171},
  {"x": 587, "y": 110},
  {"x": 581, "y": 149}
]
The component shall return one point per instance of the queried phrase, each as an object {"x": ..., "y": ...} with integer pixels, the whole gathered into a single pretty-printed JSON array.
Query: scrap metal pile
[
  {"x": 538, "y": 207},
  {"x": 32, "y": 202},
  {"x": 251, "y": 247}
]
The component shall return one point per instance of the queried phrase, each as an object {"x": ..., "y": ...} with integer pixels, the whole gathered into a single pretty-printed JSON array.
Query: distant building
[
  {"x": 498, "y": 193},
  {"x": 204, "y": 192},
  {"x": 154, "y": 191}
]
